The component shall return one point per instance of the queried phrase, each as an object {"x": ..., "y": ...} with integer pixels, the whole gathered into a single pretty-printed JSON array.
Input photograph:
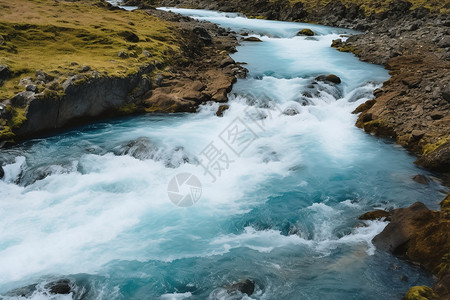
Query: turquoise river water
[{"x": 284, "y": 176}]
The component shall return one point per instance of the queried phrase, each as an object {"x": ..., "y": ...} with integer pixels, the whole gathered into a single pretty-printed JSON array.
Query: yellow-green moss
[
  {"x": 347, "y": 48},
  {"x": 129, "y": 109},
  {"x": 421, "y": 293},
  {"x": 61, "y": 35},
  {"x": 428, "y": 148},
  {"x": 17, "y": 116},
  {"x": 6, "y": 134},
  {"x": 257, "y": 17},
  {"x": 444, "y": 266}
]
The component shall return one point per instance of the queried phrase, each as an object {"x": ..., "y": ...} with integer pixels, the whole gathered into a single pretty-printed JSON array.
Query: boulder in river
[
  {"x": 2, "y": 172},
  {"x": 306, "y": 31},
  {"x": 252, "y": 39},
  {"x": 404, "y": 224},
  {"x": 62, "y": 286},
  {"x": 141, "y": 148},
  {"x": 329, "y": 79},
  {"x": 23, "y": 292},
  {"x": 245, "y": 287},
  {"x": 221, "y": 109},
  {"x": 290, "y": 111},
  {"x": 419, "y": 178}
]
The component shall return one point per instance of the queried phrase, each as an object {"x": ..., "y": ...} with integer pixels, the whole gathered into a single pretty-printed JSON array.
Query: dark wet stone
[
  {"x": 419, "y": 178},
  {"x": 62, "y": 286},
  {"x": 245, "y": 286}
]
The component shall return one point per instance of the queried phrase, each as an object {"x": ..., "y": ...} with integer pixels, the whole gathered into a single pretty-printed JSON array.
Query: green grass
[{"x": 59, "y": 37}]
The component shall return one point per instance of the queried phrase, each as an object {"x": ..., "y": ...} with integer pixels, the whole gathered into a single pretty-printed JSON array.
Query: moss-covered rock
[
  {"x": 421, "y": 293},
  {"x": 306, "y": 32}
]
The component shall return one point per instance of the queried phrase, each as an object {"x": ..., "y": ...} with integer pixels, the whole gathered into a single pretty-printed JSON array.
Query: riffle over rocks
[{"x": 411, "y": 39}]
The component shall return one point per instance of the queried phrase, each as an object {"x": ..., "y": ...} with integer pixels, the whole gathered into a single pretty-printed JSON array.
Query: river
[{"x": 179, "y": 206}]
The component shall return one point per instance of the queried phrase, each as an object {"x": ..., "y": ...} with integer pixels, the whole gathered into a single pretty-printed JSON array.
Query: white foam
[{"x": 176, "y": 296}]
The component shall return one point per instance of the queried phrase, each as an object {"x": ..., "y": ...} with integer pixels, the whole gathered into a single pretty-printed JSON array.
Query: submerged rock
[
  {"x": 25, "y": 291},
  {"x": 245, "y": 287},
  {"x": 62, "y": 286},
  {"x": 290, "y": 111},
  {"x": 419, "y": 178},
  {"x": 141, "y": 148}
]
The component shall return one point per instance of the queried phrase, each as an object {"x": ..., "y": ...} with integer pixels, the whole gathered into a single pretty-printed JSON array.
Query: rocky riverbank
[
  {"x": 174, "y": 66},
  {"x": 421, "y": 236}
]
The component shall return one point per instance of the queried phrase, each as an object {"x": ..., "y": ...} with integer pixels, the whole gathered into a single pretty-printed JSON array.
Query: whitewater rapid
[{"x": 92, "y": 204}]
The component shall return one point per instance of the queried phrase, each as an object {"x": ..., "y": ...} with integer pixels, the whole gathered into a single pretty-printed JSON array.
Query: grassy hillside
[{"x": 62, "y": 37}]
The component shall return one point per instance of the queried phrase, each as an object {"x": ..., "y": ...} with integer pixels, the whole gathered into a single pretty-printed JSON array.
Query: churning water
[{"x": 284, "y": 175}]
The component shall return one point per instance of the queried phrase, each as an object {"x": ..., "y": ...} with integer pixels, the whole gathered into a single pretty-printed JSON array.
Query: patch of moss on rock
[
  {"x": 421, "y": 293},
  {"x": 428, "y": 148},
  {"x": 379, "y": 127},
  {"x": 306, "y": 32}
]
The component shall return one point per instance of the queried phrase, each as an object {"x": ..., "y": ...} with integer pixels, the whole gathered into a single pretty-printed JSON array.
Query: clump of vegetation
[{"x": 421, "y": 293}]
